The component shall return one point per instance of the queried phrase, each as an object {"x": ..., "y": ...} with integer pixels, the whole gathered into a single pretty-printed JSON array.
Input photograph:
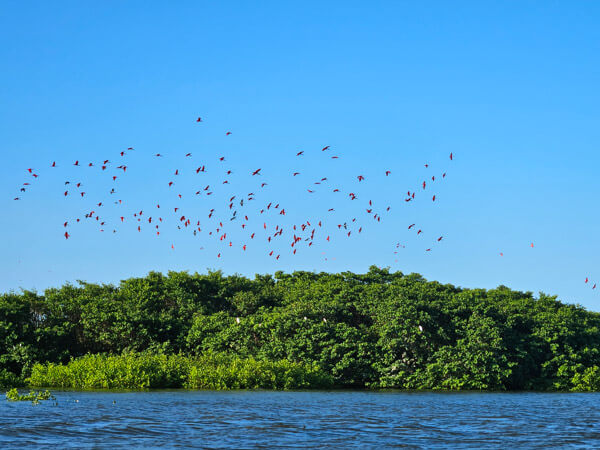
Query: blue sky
[{"x": 511, "y": 89}]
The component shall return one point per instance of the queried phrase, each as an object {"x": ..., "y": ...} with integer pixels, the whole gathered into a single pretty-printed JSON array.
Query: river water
[{"x": 338, "y": 419}]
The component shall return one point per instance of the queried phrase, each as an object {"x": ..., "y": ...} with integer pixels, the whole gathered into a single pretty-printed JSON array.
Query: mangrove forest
[{"x": 302, "y": 330}]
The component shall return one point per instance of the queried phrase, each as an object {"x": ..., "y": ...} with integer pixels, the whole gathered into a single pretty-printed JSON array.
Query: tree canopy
[{"x": 380, "y": 329}]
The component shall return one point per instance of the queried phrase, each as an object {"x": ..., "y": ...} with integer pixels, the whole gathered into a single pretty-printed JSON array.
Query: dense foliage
[
  {"x": 210, "y": 371},
  {"x": 378, "y": 329}
]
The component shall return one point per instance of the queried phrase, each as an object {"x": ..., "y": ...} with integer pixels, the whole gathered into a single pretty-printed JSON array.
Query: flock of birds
[{"x": 261, "y": 222}]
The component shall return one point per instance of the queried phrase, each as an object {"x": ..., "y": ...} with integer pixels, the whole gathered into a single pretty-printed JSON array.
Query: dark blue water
[{"x": 302, "y": 419}]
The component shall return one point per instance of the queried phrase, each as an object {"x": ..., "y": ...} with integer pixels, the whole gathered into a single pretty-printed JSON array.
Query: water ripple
[{"x": 171, "y": 419}]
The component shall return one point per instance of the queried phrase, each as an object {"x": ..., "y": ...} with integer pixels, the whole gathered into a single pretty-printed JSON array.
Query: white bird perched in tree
[
  {"x": 237, "y": 319},
  {"x": 324, "y": 320},
  {"x": 420, "y": 328}
]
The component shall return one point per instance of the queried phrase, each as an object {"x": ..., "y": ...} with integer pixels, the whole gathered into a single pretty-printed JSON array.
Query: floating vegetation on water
[{"x": 35, "y": 397}]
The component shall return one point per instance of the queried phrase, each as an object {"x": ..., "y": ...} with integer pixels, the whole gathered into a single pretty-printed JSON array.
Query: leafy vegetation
[
  {"x": 34, "y": 397},
  {"x": 377, "y": 330},
  {"x": 143, "y": 371}
]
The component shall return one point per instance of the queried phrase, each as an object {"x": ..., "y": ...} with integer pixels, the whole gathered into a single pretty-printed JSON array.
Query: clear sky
[{"x": 510, "y": 88}]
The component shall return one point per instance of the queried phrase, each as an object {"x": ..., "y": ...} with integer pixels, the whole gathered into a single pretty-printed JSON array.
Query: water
[{"x": 302, "y": 419}]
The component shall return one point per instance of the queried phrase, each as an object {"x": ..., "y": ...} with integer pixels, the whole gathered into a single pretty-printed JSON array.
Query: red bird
[
  {"x": 440, "y": 238},
  {"x": 451, "y": 157},
  {"x": 67, "y": 235},
  {"x": 54, "y": 164},
  {"x": 76, "y": 164},
  {"x": 199, "y": 119},
  {"x": 325, "y": 148},
  {"x": 410, "y": 226},
  {"x": 586, "y": 279},
  {"x": 228, "y": 133},
  {"x": 360, "y": 178},
  {"x": 387, "y": 172},
  {"x": 256, "y": 172},
  {"x": 300, "y": 153},
  {"x": 188, "y": 154},
  {"x": 433, "y": 199},
  {"x": 222, "y": 158},
  {"x": 296, "y": 173},
  {"x": 334, "y": 157}
]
